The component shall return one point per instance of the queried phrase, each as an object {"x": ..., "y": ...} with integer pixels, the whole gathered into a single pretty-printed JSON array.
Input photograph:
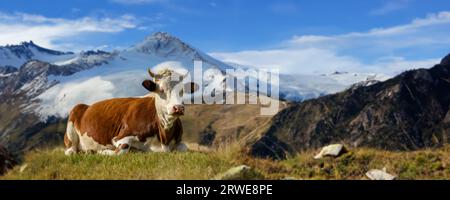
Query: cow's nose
[{"x": 178, "y": 109}]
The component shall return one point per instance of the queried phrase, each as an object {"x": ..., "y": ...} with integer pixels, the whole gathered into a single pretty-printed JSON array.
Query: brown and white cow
[{"x": 114, "y": 126}]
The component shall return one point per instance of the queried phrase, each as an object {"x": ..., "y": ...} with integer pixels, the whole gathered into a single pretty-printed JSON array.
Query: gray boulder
[
  {"x": 242, "y": 172},
  {"x": 333, "y": 150},
  {"x": 376, "y": 174}
]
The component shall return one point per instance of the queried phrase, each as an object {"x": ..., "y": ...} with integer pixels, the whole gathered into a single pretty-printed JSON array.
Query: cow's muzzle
[{"x": 178, "y": 110}]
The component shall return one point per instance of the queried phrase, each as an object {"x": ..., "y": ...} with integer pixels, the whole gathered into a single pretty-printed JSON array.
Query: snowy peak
[
  {"x": 29, "y": 49},
  {"x": 31, "y": 45},
  {"x": 16, "y": 55},
  {"x": 88, "y": 59},
  {"x": 163, "y": 44}
]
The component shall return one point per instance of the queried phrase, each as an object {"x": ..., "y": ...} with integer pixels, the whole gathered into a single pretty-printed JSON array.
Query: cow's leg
[
  {"x": 164, "y": 144},
  {"x": 122, "y": 149},
  {"x": 179, "y": 145},
  {"x": 71, "y": 139},
  {"x": 124, "y": 144}
]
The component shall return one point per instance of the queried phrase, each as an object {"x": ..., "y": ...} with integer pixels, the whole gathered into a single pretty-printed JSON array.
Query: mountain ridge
[{"x": 408, "y": 112}]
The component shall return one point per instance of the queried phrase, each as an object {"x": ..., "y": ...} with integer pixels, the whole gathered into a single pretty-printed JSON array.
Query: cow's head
[{"x": 170, "y": 87}]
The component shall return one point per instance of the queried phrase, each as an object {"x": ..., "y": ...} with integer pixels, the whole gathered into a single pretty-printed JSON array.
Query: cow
[{"x": 114, "y": 126}]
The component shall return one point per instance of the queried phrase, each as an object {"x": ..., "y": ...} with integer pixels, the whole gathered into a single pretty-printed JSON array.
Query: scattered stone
[
  {"x": 23, "y": 167},
  {"x": 197, "y": 147},
  {"x": 242, "y": 172},
  {"x": 289, "y": 178},
  {"x": 333, "y": 150},
  {"x": 376, "y": 174}
]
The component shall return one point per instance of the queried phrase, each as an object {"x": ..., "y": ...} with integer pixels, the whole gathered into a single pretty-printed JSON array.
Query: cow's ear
[
  {"x": 191, "y": 87},
  {"x": 149, "y": 85}
]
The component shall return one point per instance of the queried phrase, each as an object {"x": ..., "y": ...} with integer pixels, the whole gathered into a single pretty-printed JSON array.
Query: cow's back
[{"x": 77, "y": 113}]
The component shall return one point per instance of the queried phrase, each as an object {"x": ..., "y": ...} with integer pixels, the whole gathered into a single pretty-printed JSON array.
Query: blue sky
[{"x": 348, "y": 34}]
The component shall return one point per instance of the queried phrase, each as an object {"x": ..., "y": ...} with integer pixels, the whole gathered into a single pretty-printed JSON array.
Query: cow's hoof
[
  {"x": 123, "y": 149},
  {"x": 181, "y": 147},
  {"x": 70, "y": 151}
]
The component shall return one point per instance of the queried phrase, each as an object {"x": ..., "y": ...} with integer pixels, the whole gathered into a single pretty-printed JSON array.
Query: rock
[
  {"x": 333, "y": 150},
  {"x": 376, "y": 174},
  {"x": 197, "y": 147},
  {"x": 289, "y": 178},
  {"x": 446, "y": 60},
  {"x": 242, "y": 172},
  {"x": 23, "y": 167}
]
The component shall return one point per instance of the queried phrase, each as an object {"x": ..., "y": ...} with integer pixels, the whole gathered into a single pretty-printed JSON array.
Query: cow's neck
[{"x": 165, "y": 119}]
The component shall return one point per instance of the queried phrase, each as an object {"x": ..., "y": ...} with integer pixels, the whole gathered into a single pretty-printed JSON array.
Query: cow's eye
[{"x": 181, "y": 93}]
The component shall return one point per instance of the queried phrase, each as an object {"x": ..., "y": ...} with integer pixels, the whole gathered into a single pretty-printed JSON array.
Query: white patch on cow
[
  {"x": 72, "y": 135},
  {"x": 87, "y": 143},
  {"x": 165, "y": 118}
]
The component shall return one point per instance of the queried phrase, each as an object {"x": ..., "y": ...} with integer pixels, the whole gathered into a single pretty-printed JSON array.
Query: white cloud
[
  {"x": 376, "y": 50},
  {"x": 390, "y": 6},
  {"x": 431, "y": 29},
  {"x": 18, "y": 27},
  {"x": 304, "y": 61}
]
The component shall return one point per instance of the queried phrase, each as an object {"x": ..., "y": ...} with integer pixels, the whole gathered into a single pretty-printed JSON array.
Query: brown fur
[
  {"x": 122, "y": 117},
  {"x": 67, "y": 142}
]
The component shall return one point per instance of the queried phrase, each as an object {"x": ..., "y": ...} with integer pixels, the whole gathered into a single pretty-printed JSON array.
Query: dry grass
[
  {"x": 52, "y": 164},
  {"x": 423, "y": 164},
  {"x": 48, "y": 164}
]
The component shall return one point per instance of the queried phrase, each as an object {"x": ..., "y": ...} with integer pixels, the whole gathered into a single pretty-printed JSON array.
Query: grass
[
  {"x": 48, "y": 164},
  {"x": 52, "y": 164},
  {"x": 423, "y": 164}
]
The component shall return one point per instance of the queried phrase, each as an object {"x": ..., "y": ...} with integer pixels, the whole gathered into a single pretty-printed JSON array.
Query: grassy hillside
[{"x": 52, "y": 164}]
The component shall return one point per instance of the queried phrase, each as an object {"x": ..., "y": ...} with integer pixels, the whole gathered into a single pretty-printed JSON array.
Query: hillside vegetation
[{"x": 53, "y": 164}]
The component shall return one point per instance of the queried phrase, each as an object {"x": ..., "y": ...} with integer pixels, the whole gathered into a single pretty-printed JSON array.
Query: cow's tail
[{"x": 71, "y": 138}]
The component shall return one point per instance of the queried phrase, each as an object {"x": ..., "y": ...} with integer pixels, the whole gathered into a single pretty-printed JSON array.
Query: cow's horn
[
  {"x": 185, "y": 75},
  {"x": 151, "y": 73}
]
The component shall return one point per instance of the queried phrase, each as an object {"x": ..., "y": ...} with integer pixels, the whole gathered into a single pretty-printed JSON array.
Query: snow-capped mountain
[
  {"x": 300, "y": 87},
  {"x": 39, "y": 86},
  {"x": 17, "y": 55},
  {"x": 56, "y": 81}
]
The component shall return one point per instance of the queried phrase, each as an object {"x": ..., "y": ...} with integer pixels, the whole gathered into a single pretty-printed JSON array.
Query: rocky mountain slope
[
  {"x": 6, "y": 160},
  {"x": 408, "y": 112}
]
